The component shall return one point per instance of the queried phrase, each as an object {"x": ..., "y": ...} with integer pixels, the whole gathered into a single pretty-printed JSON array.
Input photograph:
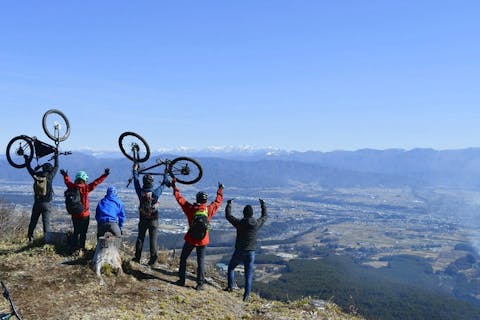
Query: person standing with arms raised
[
  {"x": 81, "y": 218},
  {"x": 197, "y": 238},
  {"x": 245, "y": 243}
]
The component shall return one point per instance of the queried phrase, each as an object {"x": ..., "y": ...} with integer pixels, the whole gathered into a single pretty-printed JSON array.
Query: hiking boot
[
  {"x": 30, "y": 240},
  {"x": 137, "y": 260},
  {"x": 246, "y": 299},
  {"x": 180, "y": 283},
  {"x": 152, "y": 260},
  {"x": 200, "y": 287},
  {"x": 228, "y": 289}
]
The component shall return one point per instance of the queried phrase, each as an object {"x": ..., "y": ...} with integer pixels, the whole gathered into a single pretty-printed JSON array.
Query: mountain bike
[
  {"x": 22, "y": 149},
  {"x": 184, "y": 169},
  {"x": 13, "y": 310}
]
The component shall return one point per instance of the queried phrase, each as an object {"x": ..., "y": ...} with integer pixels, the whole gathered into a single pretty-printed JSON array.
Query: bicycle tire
[
  {"x": 135, "y": 141},
  {"x": 61, "y": 136},
  {"x": 16, "y": 151},
  {"x": 176, "y": 169}
]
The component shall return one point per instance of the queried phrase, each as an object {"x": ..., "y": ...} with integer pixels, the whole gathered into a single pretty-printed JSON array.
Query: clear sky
[{"x": 295, "y": 75}]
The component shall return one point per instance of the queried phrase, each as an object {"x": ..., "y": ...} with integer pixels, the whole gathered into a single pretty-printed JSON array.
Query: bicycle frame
[
  {"x": 145, "y": 170},
  {"x": 184, "y": 169}
]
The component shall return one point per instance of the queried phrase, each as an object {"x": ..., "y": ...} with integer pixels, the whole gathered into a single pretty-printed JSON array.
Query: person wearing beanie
[
  {"x": 43, "y": 176},
  {"x": 82, "y": 220},
  {"x": 245, "y": 243},
  {"x": 110, "y": 214}
]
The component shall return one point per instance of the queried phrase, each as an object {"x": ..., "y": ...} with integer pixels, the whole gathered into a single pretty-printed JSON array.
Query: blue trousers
[{"x": 248, "y": 259}]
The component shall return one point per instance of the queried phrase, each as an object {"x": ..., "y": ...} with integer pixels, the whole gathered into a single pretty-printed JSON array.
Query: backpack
[
  {"x": 39, "y": 185},
  {"x": 200, "y": 225},
  {"x": 147, "y": 208},
  {"x": 73, "y": 201}
]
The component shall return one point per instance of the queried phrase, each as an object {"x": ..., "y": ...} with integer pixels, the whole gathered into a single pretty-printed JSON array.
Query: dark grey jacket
[
  {"x": 49, "y": 175},
  {"x": 246, "y": 228}
]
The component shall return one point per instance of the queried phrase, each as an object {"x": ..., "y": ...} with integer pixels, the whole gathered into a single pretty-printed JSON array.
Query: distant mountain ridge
[{"x": 277, "y": 168}]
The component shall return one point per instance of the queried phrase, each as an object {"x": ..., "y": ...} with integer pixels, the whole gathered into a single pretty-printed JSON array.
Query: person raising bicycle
[
  {"x": 43, "y": 194},
  {"x": 148, "y": 209}
]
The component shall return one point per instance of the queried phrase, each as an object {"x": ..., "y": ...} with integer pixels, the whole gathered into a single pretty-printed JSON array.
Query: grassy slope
[{"x": 47, "y": 283}]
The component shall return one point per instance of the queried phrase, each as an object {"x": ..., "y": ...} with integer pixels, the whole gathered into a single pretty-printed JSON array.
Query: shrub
[{"x": 13, "y": 224}]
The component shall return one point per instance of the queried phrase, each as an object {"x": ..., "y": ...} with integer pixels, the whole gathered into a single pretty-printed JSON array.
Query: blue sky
[{"x": 295, "y": 75}]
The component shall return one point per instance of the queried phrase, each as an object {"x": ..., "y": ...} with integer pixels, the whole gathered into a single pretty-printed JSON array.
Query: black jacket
[{"x": 246, "y": 228}]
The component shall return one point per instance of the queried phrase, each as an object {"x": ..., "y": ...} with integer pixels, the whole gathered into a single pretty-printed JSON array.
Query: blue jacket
[{"x": 110, "y": 208}]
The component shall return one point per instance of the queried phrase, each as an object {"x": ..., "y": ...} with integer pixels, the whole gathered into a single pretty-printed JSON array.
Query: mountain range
[{"x": 250, "y": 167}]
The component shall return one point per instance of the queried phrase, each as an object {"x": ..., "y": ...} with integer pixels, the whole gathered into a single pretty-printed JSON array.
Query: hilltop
[{"x": 47, "y": 283}]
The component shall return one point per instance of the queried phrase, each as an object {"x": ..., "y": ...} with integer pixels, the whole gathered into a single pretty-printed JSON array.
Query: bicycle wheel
[
  {"x": 17, "y": 149},
  {"x": 56, "y": 125},
  {"x": 186, "y": 170},
  {"x": 134, "y": 147}
]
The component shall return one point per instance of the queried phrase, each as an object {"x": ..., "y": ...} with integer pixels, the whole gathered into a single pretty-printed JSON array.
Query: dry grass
[
  {"x": 13, "y": 224},
  {"x": 48, "y": 283}
]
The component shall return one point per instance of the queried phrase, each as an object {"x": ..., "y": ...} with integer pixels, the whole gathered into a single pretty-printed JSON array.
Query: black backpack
[
  {"x": 148, "y": 208},
  {"x": 73, "y": 201},
  {"x": 200, "y": 225}
]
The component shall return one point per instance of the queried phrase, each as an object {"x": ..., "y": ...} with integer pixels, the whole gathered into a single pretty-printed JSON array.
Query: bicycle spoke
[
  {"x": 134, "y": 147},
  {"x": 56, "y": 125},
  {"x": 185, "y": 170},
  {"x": 17, "y": 149}
]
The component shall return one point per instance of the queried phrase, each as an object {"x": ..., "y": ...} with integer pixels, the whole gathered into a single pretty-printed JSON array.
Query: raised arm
[
  {"x": 136, "y": 182},
  {"x": 92, "y": 185},
  {"x": 28, "y": 163},
  {"x": 215, "y": 204},
  {"x": 228, "y": 214},
  {"x": 263, "y": 217}
]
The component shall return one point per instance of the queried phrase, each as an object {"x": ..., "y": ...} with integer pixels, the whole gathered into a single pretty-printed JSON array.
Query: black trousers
[
  {"x": 80, "y": 228},
  {"x": 186, "y": 251},
  {"x": 144, "y": 225},
  {"x": 40, "y": 208}
]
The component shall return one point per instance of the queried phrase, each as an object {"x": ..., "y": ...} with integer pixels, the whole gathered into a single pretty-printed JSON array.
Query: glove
[
  {"x": 229, "y": 201},
  {"x": 262, "y": 202},
  {"x": 63, "y": 172},
  {"x": 220, "y": 185},
  {"x": 107, "y": 171}
]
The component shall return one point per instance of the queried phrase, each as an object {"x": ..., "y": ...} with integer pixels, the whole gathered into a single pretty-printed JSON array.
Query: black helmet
[
  {"x": 202, "y": 197},
  {"x": 148, "y": 180},
  {"x": 47, "y": 167}
]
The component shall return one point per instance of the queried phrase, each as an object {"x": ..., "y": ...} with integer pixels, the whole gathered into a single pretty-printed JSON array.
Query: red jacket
[
  {"x": 190, "y": 209},
  {"x": 84, "y": 191}
]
